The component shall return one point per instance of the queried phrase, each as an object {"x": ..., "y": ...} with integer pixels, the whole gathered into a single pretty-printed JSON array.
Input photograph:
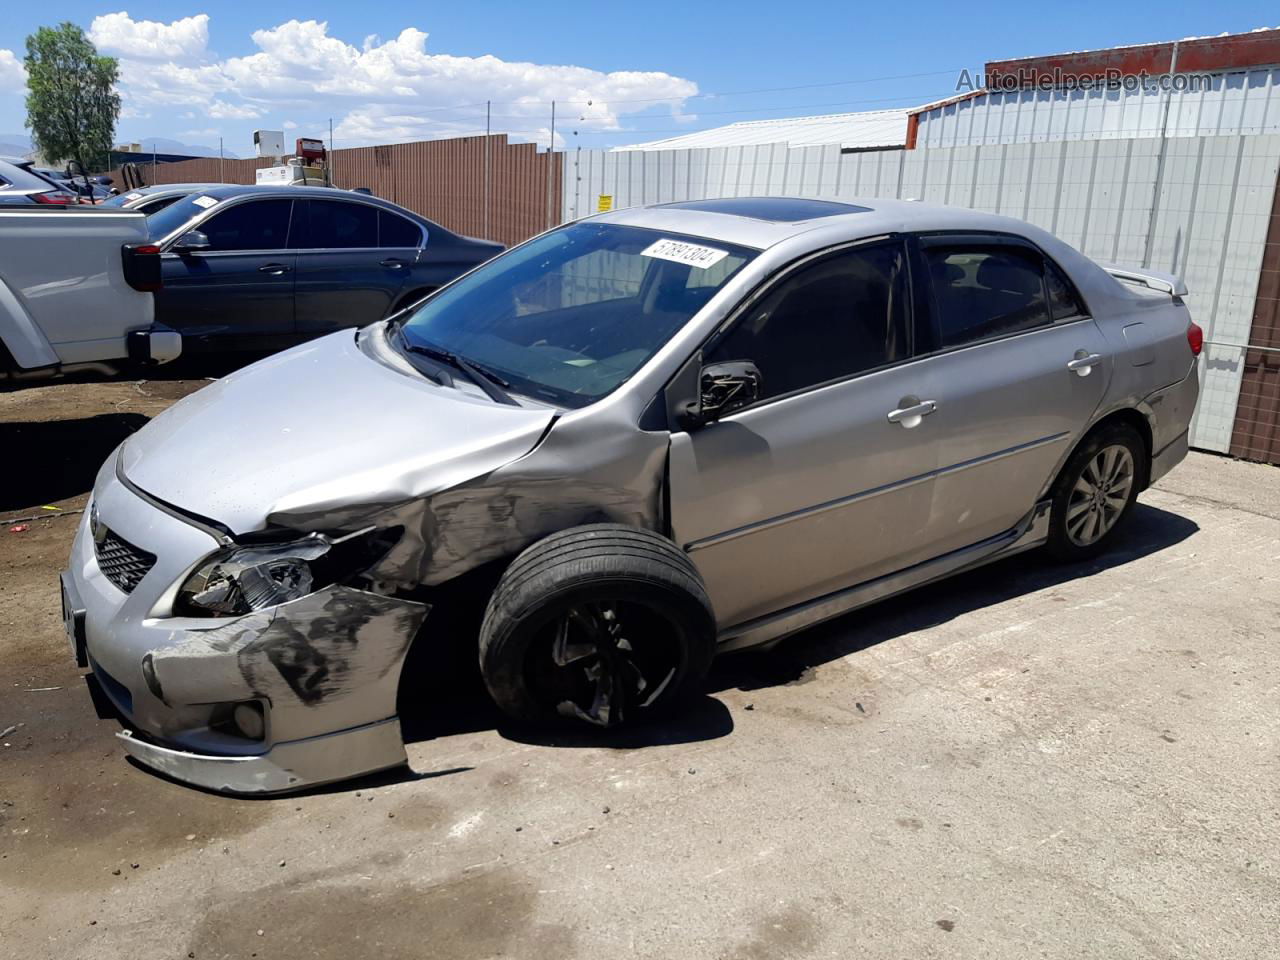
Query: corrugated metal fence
[
  {"x": 443, "y": 180},
  {"x": 1203, "y": 213}
]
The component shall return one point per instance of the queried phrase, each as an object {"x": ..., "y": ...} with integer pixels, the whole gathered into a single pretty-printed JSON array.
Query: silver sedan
[{"x": 624, "y": 446}]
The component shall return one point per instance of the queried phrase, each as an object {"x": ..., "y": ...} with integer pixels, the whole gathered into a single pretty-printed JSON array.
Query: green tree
[{"x": 72, "y": 105}]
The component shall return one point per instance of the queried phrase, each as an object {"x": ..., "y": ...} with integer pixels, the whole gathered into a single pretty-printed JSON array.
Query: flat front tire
[{"x": 604, "y": 624}]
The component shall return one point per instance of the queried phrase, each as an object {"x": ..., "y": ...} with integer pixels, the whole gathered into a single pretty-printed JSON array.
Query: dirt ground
[{"x": 1028, "y": 760}]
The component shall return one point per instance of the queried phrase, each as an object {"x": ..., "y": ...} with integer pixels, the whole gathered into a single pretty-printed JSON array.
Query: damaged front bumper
[{"x": 280, "y": 699}]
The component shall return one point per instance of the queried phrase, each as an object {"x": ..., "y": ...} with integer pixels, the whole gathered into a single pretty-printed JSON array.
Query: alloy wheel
[
  {"x": 601, "y": 661},
  {"x": 1100, "y": 495}
]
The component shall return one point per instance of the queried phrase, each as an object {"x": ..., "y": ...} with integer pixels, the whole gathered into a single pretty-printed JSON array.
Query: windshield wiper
[{"x": 486, "y": 380}]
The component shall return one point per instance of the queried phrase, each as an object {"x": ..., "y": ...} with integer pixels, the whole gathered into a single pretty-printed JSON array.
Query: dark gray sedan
[{"x": 248, "y": 267}]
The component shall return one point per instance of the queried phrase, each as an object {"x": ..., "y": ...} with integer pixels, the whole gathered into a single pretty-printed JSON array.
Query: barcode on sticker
[
  {"x": 681, "y": 252},
  {"x": 205, "y": 202}
]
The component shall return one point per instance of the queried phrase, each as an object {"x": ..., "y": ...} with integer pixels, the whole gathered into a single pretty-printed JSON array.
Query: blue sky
[{"x": 621, "y": 73}]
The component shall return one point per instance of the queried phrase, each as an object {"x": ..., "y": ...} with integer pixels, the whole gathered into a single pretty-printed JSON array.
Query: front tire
[
  {"x": 1095, "y": 492},
  {"x": 606, "y": 624}
]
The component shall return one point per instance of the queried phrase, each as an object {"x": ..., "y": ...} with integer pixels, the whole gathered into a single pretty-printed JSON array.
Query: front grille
[{"x": 121, "y": 562}]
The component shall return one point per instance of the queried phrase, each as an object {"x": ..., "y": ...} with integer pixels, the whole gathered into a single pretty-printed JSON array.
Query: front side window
[
  {"x": 571, "y": 315},
  {"x": 844, "y": 314},
  {"x": 255, "y": 225},
  {"x": 983, "y": 292}
]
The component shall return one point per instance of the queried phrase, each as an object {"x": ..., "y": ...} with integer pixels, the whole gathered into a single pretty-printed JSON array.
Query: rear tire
[
  {"x": 606, "y": 624},
  {"x": 1094, "y": 494}
]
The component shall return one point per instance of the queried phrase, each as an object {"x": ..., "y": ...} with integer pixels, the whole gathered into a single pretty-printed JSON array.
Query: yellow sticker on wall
[{"x": 605, "y": 203}]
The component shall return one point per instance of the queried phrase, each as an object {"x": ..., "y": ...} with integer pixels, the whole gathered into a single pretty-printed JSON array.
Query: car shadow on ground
[
  {"x": 1148, "y": 530},
  {"x": 60, "y": 457},
  {"x": 452, "y": 699}
]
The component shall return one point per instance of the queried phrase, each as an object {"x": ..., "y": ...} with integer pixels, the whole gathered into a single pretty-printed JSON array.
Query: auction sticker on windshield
[
  {"x": 205, "y": 202},
  {"x": 681, "y": 252}
]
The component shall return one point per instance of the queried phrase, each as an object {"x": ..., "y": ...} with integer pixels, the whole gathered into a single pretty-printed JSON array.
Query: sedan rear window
[
  {"x": 574, "y": 313},
  {"x": 337, "y": 225},
  {"x": 986, "y": 292}
]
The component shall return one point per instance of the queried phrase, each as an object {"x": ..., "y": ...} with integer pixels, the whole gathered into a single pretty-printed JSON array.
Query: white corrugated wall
[
  {"x": 1242, "y": 102},
  {"x": 1207, "y": 221}
]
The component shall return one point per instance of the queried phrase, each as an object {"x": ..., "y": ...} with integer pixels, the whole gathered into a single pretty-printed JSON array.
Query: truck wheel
[
  {"x": 604, "y": 623},
  {"x": 1095, "y": 492}
]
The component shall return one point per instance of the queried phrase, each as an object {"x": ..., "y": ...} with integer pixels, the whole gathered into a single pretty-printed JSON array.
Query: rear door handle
[
  {"x": 1083, "y": 363},
  {"x": 911, "y": 411},
  {"x": 392, "y": 262},
  {"x": 274, "y": 268}
]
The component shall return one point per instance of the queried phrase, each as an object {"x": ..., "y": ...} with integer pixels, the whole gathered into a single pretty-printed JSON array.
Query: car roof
[
  {"x": 227, "y": 191},
  {"x": 174, "y": 188},
  {"x": 762, "y": 222}
]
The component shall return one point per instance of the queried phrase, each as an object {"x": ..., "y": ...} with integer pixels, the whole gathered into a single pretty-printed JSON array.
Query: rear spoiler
[{"x": 1154, "y": 279}]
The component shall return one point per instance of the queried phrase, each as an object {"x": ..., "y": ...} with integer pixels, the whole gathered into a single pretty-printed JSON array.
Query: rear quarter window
[{"x": 397, "y": 231}]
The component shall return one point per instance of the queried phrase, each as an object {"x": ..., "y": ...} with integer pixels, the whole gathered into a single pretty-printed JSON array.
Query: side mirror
[
  {"x": 724, "y": 388},
  {"x": 191, "y": 242}
]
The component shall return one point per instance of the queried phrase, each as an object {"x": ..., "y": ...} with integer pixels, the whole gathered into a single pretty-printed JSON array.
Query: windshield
[
  {"x": 571, "y": 315},
  {"x": 164, "y": 222},
  {"x": 119, "y": 200}
]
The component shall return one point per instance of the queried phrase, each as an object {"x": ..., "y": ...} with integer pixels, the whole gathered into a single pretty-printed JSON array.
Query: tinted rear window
[
  {"x": 395, "y": 231},
  {"x": 334, "y": 224}
]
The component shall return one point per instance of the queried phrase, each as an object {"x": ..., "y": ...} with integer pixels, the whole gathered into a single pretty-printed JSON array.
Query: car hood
[{"x": 319, "y": 433}]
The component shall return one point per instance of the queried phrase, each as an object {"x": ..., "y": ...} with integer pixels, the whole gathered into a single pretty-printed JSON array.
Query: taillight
[
  {"x": 142, "y": 266},
  {"x": 1195, "y": 338},
  {"x": 53, "y": 196}
]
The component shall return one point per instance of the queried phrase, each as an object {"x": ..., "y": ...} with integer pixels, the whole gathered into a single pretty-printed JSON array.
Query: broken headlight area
[{"x": 243, "y": 579}]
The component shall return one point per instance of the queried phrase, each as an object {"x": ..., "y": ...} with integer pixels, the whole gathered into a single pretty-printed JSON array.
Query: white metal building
[{"x": 868, "y": 130}]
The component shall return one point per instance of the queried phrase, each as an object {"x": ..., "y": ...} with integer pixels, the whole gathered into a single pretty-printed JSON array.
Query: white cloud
[
  {"x": 377, "y": 91},
  {"x": 120, "y": 35},
  {"x": 12, "y": 72},
  {"x": 221, "y": 110}
]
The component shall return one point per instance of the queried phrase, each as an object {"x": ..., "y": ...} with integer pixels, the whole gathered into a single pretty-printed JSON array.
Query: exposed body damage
[
  {"x": 330, "y": 660},
  {"x": 496, "y": 516},
  {"x": 245, "y": 661}
]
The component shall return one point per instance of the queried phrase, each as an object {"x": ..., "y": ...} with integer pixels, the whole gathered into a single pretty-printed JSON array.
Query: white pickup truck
[{"x": 76, "y": 289}]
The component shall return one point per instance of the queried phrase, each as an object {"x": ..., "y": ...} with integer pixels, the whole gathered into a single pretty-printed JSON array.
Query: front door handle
[
  {"x": 911, "y": 411},
  {"x": 275, "y": 269},
  {"x": 391, "y": 262},
  {"x": 1084, "y": 363}
]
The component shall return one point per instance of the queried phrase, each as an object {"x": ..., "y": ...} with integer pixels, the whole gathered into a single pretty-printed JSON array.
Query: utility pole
[
  {"x": 487, "y": 105},
  {"x": 551, "y": 167}
]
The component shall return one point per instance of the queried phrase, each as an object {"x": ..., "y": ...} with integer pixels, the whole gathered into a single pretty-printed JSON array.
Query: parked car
[
  {"x": 259, "y": 267},
  {"x": 76, "y": 289},
  {"x": 148, "y": 200},
  {"x": 640, "y": 439},
  {"x": 19, "y": 184}
]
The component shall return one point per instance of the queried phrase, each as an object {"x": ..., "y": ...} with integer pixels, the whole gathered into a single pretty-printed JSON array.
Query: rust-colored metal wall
[
  {"x": 1256, "y": 433},
  {"x": 444, "y": 180}
]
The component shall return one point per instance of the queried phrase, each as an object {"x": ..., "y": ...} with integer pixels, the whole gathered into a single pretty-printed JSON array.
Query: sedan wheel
[
  {"x": 601, "y": 624},
  {"x": 1096, "y": 490},
  {"x": 1100, "y": 495}
]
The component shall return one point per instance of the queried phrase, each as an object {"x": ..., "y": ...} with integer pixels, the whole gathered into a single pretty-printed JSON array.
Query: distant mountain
[
  {"x": 19, "y": 145},
  {"x": 165, "y": 145},
  {"x": 14, "y": 144}
]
